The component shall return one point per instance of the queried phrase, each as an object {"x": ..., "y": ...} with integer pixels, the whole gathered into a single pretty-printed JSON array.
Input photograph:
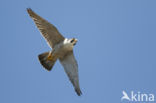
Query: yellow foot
[{"x": 50, "y": 58}]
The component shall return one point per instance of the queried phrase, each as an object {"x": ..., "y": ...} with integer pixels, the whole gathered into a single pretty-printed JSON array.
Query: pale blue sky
[{"x": 116, "y": 50}]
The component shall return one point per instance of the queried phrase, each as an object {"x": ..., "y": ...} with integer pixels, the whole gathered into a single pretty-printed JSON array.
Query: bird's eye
[{"x": 72, "y": 40}]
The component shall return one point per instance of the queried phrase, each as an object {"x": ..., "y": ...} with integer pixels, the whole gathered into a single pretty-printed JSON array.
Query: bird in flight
[{"x": 62, "y": 49}]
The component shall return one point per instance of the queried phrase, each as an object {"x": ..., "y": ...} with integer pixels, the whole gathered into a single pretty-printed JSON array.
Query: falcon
[{"x": 62, "y": 49}]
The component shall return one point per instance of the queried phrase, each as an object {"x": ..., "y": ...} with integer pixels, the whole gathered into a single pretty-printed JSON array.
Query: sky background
[{"x": 116, "y": 50}]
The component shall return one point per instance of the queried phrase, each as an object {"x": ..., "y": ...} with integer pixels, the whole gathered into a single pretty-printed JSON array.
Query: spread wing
[
  {"x": 71, "y": 68},
  {"x": 49, "y": 31}
]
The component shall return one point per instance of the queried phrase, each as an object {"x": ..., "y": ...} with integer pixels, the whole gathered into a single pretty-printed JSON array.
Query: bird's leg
[{"x": 50, "y": 57}]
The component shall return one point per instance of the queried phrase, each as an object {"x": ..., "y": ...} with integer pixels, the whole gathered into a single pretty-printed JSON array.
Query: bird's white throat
[{"x": 67, "y": 44}]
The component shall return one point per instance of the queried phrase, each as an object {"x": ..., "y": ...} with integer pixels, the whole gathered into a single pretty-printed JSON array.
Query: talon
[{"x": 50, "y": 58}]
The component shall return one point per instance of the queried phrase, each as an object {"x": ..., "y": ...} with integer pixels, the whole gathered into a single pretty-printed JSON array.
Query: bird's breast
[{"x": 61, "y": 49}]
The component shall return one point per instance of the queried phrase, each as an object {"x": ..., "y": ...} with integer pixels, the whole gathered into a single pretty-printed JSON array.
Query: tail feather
[{"x": 47, "y": 64}]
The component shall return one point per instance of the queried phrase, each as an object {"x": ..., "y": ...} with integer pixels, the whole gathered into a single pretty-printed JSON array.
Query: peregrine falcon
[{"x": 62, "y": 49}]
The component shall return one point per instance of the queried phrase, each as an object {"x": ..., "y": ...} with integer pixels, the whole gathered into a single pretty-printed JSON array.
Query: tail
[{"x": 46, "y": 60}]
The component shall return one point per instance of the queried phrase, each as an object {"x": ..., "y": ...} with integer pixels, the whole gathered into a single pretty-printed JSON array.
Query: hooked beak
[{"x": 75, "y": 41}]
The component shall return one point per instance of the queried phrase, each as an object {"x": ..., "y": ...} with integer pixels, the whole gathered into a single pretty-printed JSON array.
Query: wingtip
[
  {"x": 78, "y": 91},
  {"x": 29, "y": 10}
]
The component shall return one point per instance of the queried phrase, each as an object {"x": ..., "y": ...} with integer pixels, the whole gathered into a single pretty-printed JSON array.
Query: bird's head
[
  {"x": 69, "y": 43},
  {"x": 73, "y": 41}
]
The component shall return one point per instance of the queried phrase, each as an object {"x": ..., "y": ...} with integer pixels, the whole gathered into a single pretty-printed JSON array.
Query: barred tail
[{"x": 45, "y": 62}]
